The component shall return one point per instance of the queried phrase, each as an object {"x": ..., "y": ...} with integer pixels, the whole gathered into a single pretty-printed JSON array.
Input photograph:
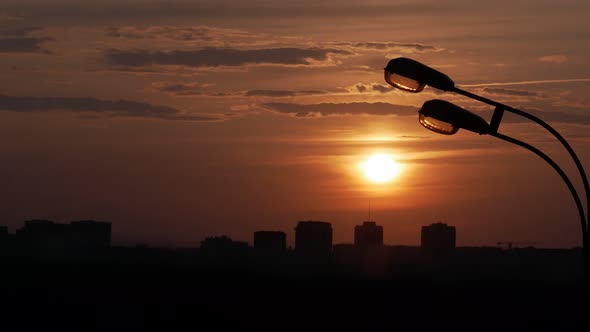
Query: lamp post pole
[
  {"x": 585, "y": 254},
  {"x": 585, "y": 222},
  {"x": 498, "y": 115},
  {"x": 412, "y": 76}
]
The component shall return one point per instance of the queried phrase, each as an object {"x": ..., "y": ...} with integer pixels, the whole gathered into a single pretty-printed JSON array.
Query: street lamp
[
  {"x": 445, "y": 118},
  {"x": 412, "y": 76}
]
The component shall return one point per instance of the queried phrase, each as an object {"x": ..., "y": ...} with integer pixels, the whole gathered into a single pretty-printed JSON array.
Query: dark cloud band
[
  {"x": 216, "y": 57},
  {"x": 118, "y": 108},
  {"x": 24, "y": 45},
  {"x": 381, "y": 46}
]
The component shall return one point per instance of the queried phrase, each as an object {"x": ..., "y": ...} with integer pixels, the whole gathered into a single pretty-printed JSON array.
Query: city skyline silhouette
[
  {"x": 176, "y": 124},
  {"x": 88, "y": 242}
]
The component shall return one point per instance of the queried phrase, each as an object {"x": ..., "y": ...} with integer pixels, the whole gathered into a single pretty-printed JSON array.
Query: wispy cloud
[
  {"x": 508, "y": 92},
  {"x": 118, "y": 108},
  {"x": 180, "y": 89},
  {"x": 167, "y": 32},
  {"x": 570, "y": 80},
  {"x": 285, "y": 93},
  {"x": 6, "y": 17},
  {"x": 201, "y": 89},
  {"x": 557, "y": 59},
  {"x": 327, "y": 109},
  {"x": 17, "y": 31},
  {"x": 150, "y": 10},
  {"x": 550, "y": 116},
  {"x": 184, "y": 34},
  {"x": 388, "y": 109}
]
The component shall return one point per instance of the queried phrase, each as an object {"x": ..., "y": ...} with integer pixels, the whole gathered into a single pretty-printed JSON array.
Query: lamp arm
[
  {"x": 556, "y": 168},
  {"x": 500, "y": 106}
]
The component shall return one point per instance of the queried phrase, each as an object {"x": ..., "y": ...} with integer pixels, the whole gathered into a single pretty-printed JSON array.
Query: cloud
[
  {"x": 548, "y": 116},
  {"x": 16, "y": 31},
  {"x": 18, "y": 40},
  {"x": 23, "y": 44},
  {"x": 385, "y": 46},
  {"x": 572, "y": 80},
  {"x": 9, "y": 18},
  {"x": 369, "y": 88},
  {"x": 196, "y": 89},
  {"x": 284, "y": 93},
  {"x": 385, "y": 109},
  {"x": 509, "y": 92},
  {"x": 360, "y": 87},
  {"x": 107, "y": 11},
  {"x": 381, "y": 88},
  {"x": 118, "y": 108},
  {"x": 176, "y": 33},
  {"x": 167, "y": 32},
  {"x": 557, "y": 59},
  {"x": 327, "y": 109},
  {"x": 215, "y": 57},
  {"x": 180, "y": 89}
]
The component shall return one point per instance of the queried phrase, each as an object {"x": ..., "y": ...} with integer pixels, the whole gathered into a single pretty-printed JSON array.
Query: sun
[{"x": 380, "y": 168}]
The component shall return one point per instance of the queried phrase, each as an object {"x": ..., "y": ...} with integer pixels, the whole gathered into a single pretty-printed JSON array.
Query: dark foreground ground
[{"x": 135, "y": 297}]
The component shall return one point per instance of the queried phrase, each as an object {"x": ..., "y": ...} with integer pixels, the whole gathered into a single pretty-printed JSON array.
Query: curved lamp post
[{"x": 445, "y": 118}]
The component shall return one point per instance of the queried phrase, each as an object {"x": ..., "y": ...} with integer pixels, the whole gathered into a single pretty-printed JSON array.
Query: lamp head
[
  {"x": 412, "y": 76},
  {"x": 446, "y": 118}
]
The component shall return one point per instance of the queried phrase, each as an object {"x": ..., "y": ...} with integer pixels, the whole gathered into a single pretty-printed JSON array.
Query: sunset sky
[{"x": 177, "y": 120}]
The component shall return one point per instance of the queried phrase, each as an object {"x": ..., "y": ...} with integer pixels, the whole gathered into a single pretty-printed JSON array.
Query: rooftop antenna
[{"x": 369, "y": 210}]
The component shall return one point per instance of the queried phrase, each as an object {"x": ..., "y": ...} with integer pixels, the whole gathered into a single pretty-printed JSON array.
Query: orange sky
[{"x": 177, "y": 120}]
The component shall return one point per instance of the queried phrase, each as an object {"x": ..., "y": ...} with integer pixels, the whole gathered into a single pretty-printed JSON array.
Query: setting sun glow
[{"x": 380, "y": 168}]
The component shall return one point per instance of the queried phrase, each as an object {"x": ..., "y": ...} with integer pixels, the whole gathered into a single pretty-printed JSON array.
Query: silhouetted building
[
  {"x": 48, "y": 240},
  {"x": 37, "y": 227},
  {"x": 438, "y": 238},
  {"x": 43, "y": 233},
  {"x": 368, "y": 234},
  {"x": 313, "y": 239},
  {"x": 223, "y": 249},
  {"x": 346, "y": 253},
  {"x": 91, "y": 234},
  {"x": 270, "y": 242},
  {"x": 4, "y": 240}
]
